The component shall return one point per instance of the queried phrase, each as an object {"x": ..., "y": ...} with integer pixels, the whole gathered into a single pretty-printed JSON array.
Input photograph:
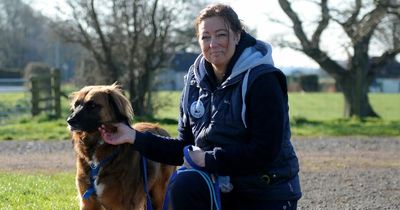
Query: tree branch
[
  {"x": 322, "y": 24},
  {"x": 297, "y": 24},
  {"x": 312, "y": 49}
]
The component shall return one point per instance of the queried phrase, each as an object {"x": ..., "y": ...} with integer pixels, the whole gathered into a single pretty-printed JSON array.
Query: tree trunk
[
  {"x": 132, "y": 89},
  {"x": 356, "y": 102},
  {"x": 138, "y": 105},
  {"x": 136, "y": 96},
  {"x": 139, "y": 89}
]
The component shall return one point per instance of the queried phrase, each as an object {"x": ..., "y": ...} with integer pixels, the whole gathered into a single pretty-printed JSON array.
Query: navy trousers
[{"x": 190, "y": 191}]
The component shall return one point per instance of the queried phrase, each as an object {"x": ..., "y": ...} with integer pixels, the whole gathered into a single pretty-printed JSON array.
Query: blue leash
[
  {"x": 146, "y": 190},
  {"x": 213, "y": 186}
]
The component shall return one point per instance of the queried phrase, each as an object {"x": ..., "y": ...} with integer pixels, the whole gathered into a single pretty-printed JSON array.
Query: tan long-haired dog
[{"x": 117, "y": 183}]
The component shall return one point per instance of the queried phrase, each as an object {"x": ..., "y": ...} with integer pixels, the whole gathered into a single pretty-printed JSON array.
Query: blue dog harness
[{"x": 94, "y": 171}]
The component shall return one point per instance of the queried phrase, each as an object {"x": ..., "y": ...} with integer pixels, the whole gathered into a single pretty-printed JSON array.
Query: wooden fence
[
  {"x": 8, "y": 111},
  {"x": 45, "y": 93}
]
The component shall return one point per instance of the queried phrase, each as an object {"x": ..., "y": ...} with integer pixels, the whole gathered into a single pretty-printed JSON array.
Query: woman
[{"x": 234, "y": 108}]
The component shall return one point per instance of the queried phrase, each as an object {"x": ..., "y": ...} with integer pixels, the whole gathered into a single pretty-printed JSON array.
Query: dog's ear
[{"x": 121, "y": 102}]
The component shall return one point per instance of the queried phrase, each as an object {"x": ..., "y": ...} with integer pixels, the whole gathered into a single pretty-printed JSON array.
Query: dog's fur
[{"x": 119, "y": 184}]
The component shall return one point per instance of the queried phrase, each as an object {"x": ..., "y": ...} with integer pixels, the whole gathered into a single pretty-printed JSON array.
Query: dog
[{"x": 118, "y": 183}]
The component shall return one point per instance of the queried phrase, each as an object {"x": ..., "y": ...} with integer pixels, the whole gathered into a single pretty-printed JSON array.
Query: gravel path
[
  {"x": 350, "y": 173},
  {"x": 37, "y": 156},
  {"x": 336, "y": 173}
]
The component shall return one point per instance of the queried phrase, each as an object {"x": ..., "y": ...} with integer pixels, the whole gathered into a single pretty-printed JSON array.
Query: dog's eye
[
  {"x": 91, "y": 105},
  {"x": 77, "y": 103}
]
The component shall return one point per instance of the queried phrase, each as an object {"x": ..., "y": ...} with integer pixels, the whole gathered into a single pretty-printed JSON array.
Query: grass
[
  {"x": 37, "y": 128},
  {"x": 321, "y": 114},
  {"x": 37, "y": 191},
  {"x": 345, "y": 127},
  {"x": 330, "y": 106},
  {"x": 13, "y": 99},
  {"x": 312, "y": 114}
]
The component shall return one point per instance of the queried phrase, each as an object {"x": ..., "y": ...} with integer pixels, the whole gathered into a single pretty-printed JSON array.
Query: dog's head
[{"x": 95, "y": 105}]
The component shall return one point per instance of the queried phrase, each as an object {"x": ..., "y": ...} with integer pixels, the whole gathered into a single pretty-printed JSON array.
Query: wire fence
[{"x": 21, "y": 107}]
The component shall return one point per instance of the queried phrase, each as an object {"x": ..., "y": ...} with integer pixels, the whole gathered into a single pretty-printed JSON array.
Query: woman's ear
[{"x": 237, "y": 38}]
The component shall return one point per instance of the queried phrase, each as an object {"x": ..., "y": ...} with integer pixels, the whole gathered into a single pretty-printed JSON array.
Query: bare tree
[
  {"x": 129, "y": 39},
  {"x": 21, "y": 31},
  {"x": 359, "y": 23}
]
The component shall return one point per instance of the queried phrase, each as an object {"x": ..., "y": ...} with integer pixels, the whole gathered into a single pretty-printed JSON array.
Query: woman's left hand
[{"x": 198, "y": 157}]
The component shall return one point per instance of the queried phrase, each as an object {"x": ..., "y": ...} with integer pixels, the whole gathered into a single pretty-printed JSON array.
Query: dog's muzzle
[{"x": 82, "y": 120}]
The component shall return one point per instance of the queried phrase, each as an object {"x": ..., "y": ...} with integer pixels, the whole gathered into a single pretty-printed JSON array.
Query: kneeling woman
[{"x": 234, "y": 109}]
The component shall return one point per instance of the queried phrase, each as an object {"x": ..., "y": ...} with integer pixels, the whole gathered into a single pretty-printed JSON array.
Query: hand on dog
[{"x": 118, "y": 133}]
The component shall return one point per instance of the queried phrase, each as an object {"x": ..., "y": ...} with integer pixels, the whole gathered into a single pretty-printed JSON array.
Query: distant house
[
  {"x": 171, "y": 78},
  {"x": 387, "y": 79},
  {"x": 301, "y": 79}
]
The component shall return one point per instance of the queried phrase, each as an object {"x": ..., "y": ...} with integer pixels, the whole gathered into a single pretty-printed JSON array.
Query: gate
[{"x": 44, "y": 84}]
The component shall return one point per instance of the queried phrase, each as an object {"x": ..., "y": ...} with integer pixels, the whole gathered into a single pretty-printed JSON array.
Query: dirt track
[{"x": 336, "y": 173}]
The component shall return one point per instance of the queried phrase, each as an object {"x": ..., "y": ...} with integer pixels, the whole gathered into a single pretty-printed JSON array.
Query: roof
[{"x": 182, "y": 61}]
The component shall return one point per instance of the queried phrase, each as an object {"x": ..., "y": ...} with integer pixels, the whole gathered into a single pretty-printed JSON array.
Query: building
[
  {"x": 387, "y": 79},
  {"x": 171, "y": 78}
]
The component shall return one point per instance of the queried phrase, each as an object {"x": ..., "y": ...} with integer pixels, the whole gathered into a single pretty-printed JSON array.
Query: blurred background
[{"x": 341, "y": 54}]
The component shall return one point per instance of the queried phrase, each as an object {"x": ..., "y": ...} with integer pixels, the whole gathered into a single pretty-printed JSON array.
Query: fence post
[
  {"x": 35, "y": 96},
  {"x": 56, "y": 90}
]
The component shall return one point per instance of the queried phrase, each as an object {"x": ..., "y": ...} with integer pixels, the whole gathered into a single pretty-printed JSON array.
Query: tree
[
  {"x": 360, "y": 23},
  {"x": 128, "y": 39},
  {"x": 21, "y": 32},
  {"x": 25, "y": 36}
]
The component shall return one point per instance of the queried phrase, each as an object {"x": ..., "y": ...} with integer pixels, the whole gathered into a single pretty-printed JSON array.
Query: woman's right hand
[{"x": 120, "y": 134}]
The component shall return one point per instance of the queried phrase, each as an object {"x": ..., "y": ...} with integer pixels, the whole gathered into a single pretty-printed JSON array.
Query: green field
[
  {"x": 329, "y": 106},
  {"x": 312, "y": 114}
]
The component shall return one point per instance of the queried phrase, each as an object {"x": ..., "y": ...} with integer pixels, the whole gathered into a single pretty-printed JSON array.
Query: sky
[{"x": 253, "y": 13}]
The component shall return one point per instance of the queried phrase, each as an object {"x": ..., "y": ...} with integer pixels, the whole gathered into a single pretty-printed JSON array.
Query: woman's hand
[
  {"x": 118, "y": 133},
  {"x": 198, "y": 157}
]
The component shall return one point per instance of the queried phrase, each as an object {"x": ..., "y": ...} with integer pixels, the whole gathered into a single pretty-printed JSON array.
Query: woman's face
[{"x": 217, "y": 42}]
